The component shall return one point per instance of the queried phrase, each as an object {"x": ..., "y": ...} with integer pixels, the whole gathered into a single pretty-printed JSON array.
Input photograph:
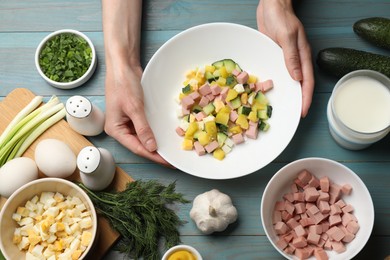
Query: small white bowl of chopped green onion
[{"x": 66, "y": 58}]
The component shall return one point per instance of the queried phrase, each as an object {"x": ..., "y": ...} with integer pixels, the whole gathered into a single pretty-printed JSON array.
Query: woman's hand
[
  {"x": 276, "y": 19},
  {"x": 125, "y": 117}
]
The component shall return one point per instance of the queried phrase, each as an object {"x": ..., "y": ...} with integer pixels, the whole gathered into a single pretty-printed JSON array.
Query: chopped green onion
[{"x": 65, "y": 57}]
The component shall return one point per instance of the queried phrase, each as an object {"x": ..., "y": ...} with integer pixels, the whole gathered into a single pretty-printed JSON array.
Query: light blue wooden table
[{"x": 328, "y": 23}]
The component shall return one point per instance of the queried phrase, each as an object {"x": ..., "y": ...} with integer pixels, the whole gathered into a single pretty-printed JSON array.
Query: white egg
[
  {"x": 55, "y": 158},
  {"x": 15, "y": 173}
]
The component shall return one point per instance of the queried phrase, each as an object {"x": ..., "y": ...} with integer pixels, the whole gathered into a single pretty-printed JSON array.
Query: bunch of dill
[{"x": 140, "y": 214}]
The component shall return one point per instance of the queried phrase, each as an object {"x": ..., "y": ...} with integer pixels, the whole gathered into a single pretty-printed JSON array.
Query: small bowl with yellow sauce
[{"x": 182, "y": 252}]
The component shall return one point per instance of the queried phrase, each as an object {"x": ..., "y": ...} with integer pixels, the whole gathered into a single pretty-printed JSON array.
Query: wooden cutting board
[{"x": 16, "y": 101}]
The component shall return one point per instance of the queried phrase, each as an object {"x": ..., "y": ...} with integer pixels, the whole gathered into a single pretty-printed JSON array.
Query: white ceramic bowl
[
  {"x": 73, "y": 84},
  {"x": 182, "y": 247},
  {"x": 360, "y": 199},
  {"x": 202, "y": 45},
  {"x": 26, "y": 192}
]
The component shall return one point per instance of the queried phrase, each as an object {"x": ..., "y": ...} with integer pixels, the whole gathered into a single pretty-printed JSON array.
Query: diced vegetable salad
[{"x": 222, "y": 106}]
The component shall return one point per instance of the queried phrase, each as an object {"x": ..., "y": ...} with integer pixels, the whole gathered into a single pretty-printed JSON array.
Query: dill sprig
[{"x": 140, "y": 214}]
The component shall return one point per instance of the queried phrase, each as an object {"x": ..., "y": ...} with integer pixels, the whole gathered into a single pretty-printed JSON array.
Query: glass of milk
[{"x": 359, "y": 109}]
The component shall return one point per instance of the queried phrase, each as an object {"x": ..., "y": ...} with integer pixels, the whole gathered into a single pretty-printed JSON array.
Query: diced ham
[
  {"x": 204, "y": 101},
  {"x": 211, "y": 146},
  {"x": 300, "y": 231},
  {"x": 216, "y": 90},
  {"x": 289, "y": 197},
  {"x": 277, "y": 217},
  {"x": 304, "y": 176},
  {"x": 328, "y": 245},
  {"x": 199, "y": 149},
  {"x": 289, "y": 250},
  {"x": 205, "y": 89},
  {"x": 324, "y": 196},
  {"x": 300, "y": 208},
  {"x": 236, "y": 72},
  {"x": 346, "y": 189},
  {"x": 314, "y": 182},
  {"x": 194, "y": 95},
  {"x": 187, "y": 102},
  {"x": 317, "y": 229},
  {"x": 281, "y": 228},
  {"x": 335, "y": 209},
  {"x": 267, "y": 85},
  {"x": 238, "y": 138},
  {"x": 311, "y": 194},
  {"x": 210, "y": 97},
  {"x": 306, "y": 222},
  {"x": 353, "y": 227},
  {"x": 320, "y": 254},
  {"x": 224, "y": 92},
  {"x": 324, "y": 184},
  {"x": 347, "y": 209},
  {"x": 286, "y": 216},
  {"x": 335, "y": 233},
  {"x": 302, "y": 253},
  {"x": 252, "y": 131},
  {"x": 299, "y": 196},
  {"x": 348, "y": 237},
  {"x": 339, "y": 247},
  {"x": 294, "y": 188},
  {"x": 346, "y": 218},
  {"x": 242, "y": 77},
  {"x": 341, "y": 204},
  {"x": 233, "y": 115},
  {"x": 292, "y": 223},
  {"x": 299, "y": 242},
  {"x": 180, "y": 131},
  {"x": 282, "y": 244},
  {"x": 200, "y": 115},
  {"x": 279, "y": 206},
  {"x": 324, "y": 206},
  {"x": 334, "y": 220},
  {"x": 313, "y": 238}
]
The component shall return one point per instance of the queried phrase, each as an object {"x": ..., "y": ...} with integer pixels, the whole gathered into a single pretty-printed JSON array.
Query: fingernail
[
  {"x": 151, "y": 145},
  {"x": 297, "y": 75}
]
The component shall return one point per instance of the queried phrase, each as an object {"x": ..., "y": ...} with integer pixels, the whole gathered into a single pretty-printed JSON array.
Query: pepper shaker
[
  {"x": 84, "y": 117},
  {"x": 96, "y": 166}
]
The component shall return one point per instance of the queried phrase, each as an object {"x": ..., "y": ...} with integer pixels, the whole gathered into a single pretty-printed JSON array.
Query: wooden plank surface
[
  {"x": 16, "y": 101},
  {"x": 328, "y": 23}
]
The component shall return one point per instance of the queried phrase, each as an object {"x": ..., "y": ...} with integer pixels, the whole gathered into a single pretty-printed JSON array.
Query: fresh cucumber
[
  {"x": 375, "y": 30},
  {"x": 229, "y": 64},
  {"x": 340, "y": 61}
]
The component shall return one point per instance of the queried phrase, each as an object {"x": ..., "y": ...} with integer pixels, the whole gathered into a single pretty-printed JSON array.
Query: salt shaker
[
  {"x": 96, "y": 166},
  {"x": 83, "y": 116}
]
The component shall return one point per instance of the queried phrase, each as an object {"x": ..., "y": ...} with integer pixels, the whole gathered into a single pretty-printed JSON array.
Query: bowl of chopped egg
[{"x": 49, "y": 218}]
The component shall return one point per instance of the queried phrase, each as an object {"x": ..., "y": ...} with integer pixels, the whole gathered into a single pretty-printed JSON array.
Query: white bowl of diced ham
[{"x": 316, "y": 208}]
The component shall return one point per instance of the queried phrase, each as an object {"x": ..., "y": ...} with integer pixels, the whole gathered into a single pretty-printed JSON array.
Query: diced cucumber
[
  {"x": 186, "y": 89},
  {"x": 209, "y": 108},
  {"x": 218, "y": 64},
  {"x": 223, "y": 128},
  {"x": 231, "y": 81},
  {"x": 269, "y": 111},
  {"x": 263, "y": 126},
  {"x": 244, "y": 110},
  {"x": 236, "y": 103},
  {"x": 229, "y": 64},
  {"x": 210, "y": 77},
  {"x": 262, "y": 114},
  {"x": 221, "y": 138},
  {"x": 261, "y": 98},
  {"x": 186, "y": 118},
  {"x": 197, "y": 109}
]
